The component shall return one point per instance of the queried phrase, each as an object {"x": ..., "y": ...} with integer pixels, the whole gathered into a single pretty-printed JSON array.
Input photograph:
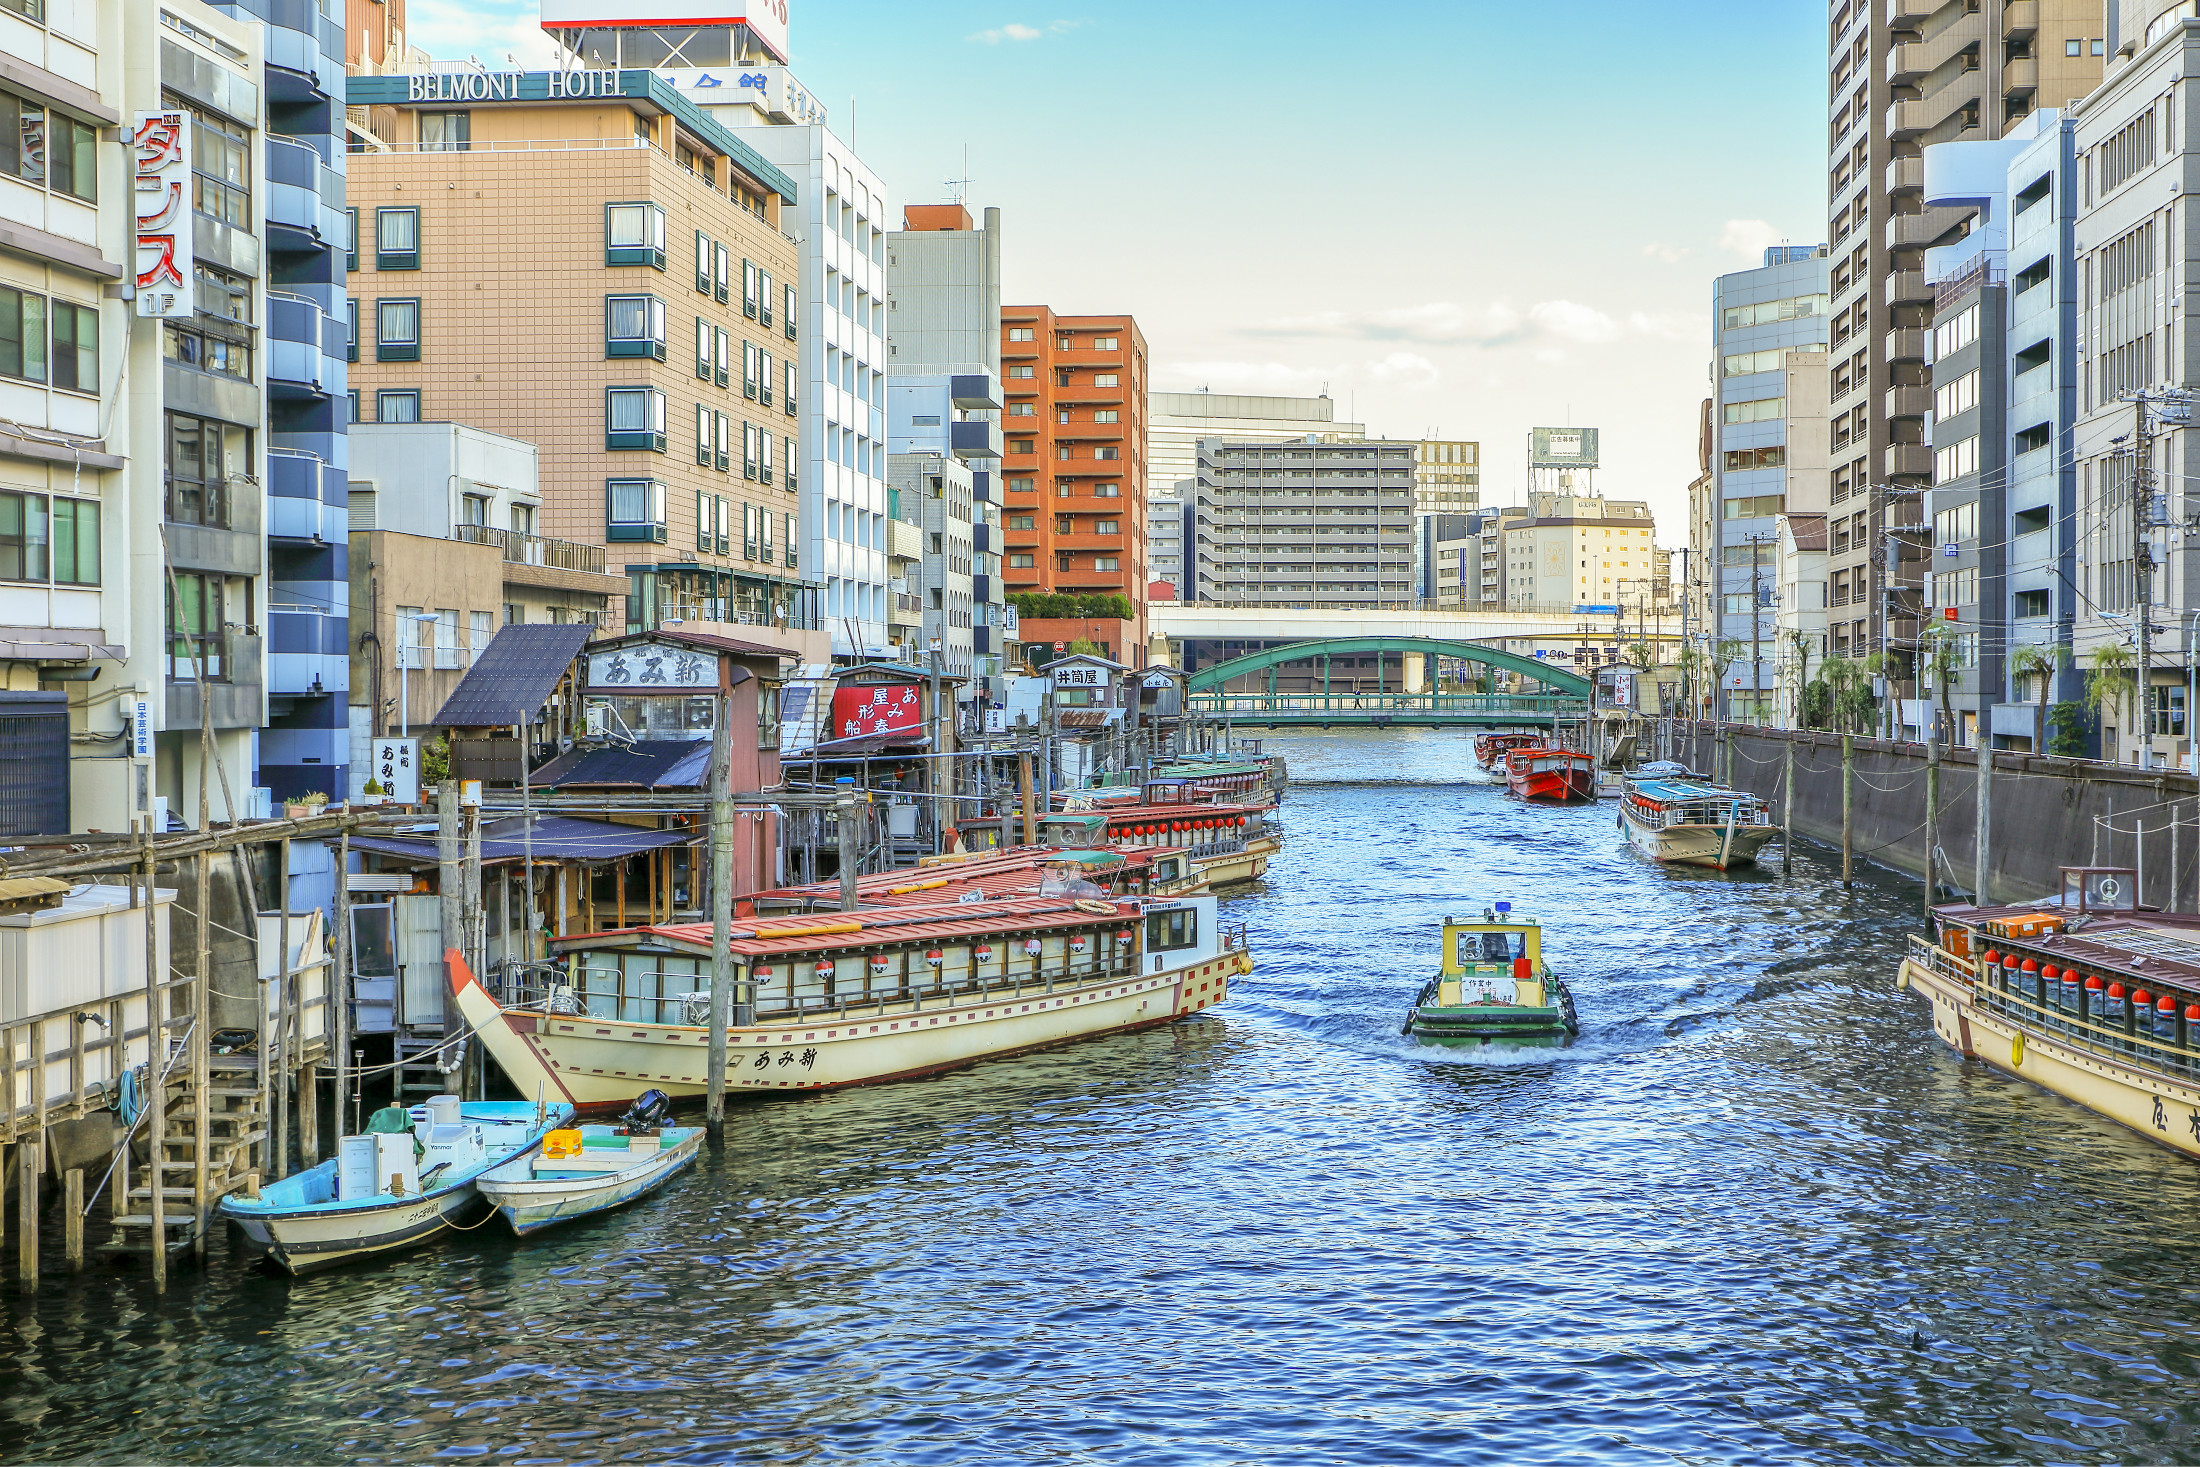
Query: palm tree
[
  {"x": 2109, "y": 682},
  {"x": 1941, "y": 651},
  {"x": 2033, "y": 660},
  {"x": 1799, "y": 643}
]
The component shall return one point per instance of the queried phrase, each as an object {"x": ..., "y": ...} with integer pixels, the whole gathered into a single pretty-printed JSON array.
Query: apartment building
[
  {"x": 1902, "y": 76},
  {"x": 657, "y": 279},
  {"x": 1168, "y": 521},
  {"x": 1769, "y": 356},
  {"x": 943, "y": 319},
  {"x": 1177, "y": 421},
  {"x": 1575, "y": 550},
  {"x": 1075, "y": 458},
  {"x": 1799, "y": 559},
  {"x": 1304, "y": 523},
  {"x": 2133, "y": 247}
]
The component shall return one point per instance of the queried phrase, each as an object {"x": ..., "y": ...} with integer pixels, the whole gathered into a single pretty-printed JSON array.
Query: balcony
[
  {"x": 980, "y": 439},
  {"x": 1908, "y": 288},
  {"x": 1906, "y": 344},
  {"x": 1904, "y": 13},
  {"x": 1907, "y": 120},
  {"x": 295, "y": 510},
  {"x": 235, "y": 673},
  {"x": 519, "y": 549},
  {"x": 2020, "y": 76},
  {"x": 1906, "y": 63},
  {"x": 1906, "y": 175},
  {"x": 1917, "y": 231},
  {"x": 301, "y": 42},
  {"x": 1909, "y": 402},
  {"x": 2020, "y": 20},
  {"x": 1908, "y": 461},
  {"x": 295, "y": 347},
  {"x": 307, "y": 652}
]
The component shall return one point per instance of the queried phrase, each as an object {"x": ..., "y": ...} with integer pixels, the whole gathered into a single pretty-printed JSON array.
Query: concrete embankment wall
[{"x": 2044, "y": 813}]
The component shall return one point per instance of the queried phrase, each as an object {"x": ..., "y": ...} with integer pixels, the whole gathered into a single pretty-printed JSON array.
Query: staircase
[
  {"x": 236, "y": 1124},
  {"x": 418, "y": 1069}
]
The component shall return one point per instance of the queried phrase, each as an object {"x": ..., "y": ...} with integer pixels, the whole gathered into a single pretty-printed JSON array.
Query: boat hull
[
  {"x": 601, "y": 1065},
  {"x": 1698, "y": 845},
  {"x": 1480, "y": 1024},
  {"x": 1249, "y": 864},
  {"x": 530, "y": 1204},
  {"x": 2158, "y": 1107},
  {"x": 304, "y": 1242},
  {"x": 1554, "y": 786}
]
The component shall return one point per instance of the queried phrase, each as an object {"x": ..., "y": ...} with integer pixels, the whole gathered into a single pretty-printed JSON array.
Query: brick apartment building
[{"x": 1074, "y": 468}]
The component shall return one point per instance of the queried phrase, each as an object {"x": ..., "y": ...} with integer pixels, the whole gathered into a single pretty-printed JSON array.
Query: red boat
[
  {"x": 1490, "y": 749},
  {"x": 1555, "y": 776}
]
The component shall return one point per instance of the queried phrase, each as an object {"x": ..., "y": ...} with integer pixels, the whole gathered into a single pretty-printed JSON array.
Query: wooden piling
[
  {"x": 1932, "y": 818},
  {"x": 1848, "y": 805},
  {"x": 279, "y": 1123},
  {"x": 30, "y": 1160},
  {"x": 1983, "y": 842},
  {"x": 202, "y": 1017},
  {"x": 72, "y": 1219},
  {"x": 155, "y": 1097},
  {"x": 1787, "y": 808}
]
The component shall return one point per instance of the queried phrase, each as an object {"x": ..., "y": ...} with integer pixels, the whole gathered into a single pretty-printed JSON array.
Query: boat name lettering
[{"x": 809, "y": 1058}]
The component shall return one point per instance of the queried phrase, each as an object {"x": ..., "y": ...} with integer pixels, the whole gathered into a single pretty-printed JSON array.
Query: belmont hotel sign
[{"x": 512, "y": 86}]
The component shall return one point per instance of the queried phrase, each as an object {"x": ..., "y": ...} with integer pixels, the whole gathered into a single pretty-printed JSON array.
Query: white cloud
[
  {"x": 1404, "y": 369},
  {"x": 1408, "y": 371},
  {"x": 1574, "y": 322},
  {"x": 1013, "y": 31},
  {"x": 1749, "y": 237},
  {"x": 1492, "y": 325},
  {"x": 451, "y": 32},
  {"x": 1665, "y": 253}
]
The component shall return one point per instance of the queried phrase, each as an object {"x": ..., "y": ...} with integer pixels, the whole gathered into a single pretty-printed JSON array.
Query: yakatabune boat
[
  {"x": 1490, "y": 749},
  {"x": 1493, "y": 987},
  {"x": 2081, "y": 993},
  {"x": 1694, "y": 822},
  {"x": 853, "y": 998},
  {"x": 1551, "y": 776}
]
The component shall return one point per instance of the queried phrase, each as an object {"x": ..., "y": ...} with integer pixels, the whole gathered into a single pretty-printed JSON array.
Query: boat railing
[
  {"x": 2127, "y": 1042},
  {"x": 1234, "y": 939}
]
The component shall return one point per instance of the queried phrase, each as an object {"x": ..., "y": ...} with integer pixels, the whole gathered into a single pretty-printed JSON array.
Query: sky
[{"x": 1462, "y": 219}]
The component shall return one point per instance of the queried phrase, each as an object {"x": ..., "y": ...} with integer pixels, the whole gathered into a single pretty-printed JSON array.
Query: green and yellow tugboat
[{"x": 1494, "y": 987}]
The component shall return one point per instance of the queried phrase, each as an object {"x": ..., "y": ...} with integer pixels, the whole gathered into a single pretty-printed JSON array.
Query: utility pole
[
  {"x": 2142, "y": 570},
  {"x": 1756, "y": 625},
  {"x": 721, "y": 910}
]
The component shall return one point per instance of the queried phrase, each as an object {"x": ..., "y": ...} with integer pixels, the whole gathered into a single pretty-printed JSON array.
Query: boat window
[
  {"x": 1490, "y": 947},
  {"x": 1166, "y": 870},
  {"x": 1168, "y": 931}
]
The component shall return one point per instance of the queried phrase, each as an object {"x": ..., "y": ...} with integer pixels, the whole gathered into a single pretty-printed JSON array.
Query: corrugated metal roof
[
  {"x": 1002, "y": 877},
  {"x": 879, "y": 927},
  {"x": 556, "y": 838},
  {"x": 648, "y": 764},
  {"x": 514, "y": 676}
]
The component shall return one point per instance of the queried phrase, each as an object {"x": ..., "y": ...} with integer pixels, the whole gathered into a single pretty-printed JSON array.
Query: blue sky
[{"x": 1468, "y": 218}]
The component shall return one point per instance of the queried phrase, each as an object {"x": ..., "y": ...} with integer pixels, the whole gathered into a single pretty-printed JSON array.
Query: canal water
[{"x": 1757, "y": 1213}]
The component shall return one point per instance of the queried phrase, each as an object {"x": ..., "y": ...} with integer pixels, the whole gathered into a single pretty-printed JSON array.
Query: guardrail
[
  {"x": 1345, "y": 705},
  {"x": 520, "y": 549}
]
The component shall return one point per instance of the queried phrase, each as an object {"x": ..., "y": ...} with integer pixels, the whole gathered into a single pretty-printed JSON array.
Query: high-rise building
[
  {"x": 1075, "y": 464},
  {"x": 1903, "y": 75},
  {"x": 1176, "y": 421},
  {"x": 943, "y": 301},
  {"x": 1168, "y": 522},
  {"x": 1769, "y": 361},
  {"x": 2134, "y": 244},
  {"x": 658, "y": 282},
  {"x": 944, "y": 451},
  {"x": 137, "y": 355},
  {"x": 1304, "y": 523}
]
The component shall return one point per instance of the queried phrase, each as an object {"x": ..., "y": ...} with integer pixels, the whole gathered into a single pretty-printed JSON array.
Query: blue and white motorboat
[
  {"x": 593, "y": 1168},
  {"x": 395, "y": 1187}
]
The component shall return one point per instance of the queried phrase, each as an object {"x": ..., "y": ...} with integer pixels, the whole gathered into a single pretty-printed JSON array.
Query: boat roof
[
  {"x": 867, "y": 927},
  {"x": 1682, "y": 790},
  {"x": 2162, "y": 948},
  {"x": 998, "y": 875}
]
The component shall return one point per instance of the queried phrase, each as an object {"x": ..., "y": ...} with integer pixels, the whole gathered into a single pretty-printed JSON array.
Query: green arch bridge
[{"x": 1564, "y": 694}]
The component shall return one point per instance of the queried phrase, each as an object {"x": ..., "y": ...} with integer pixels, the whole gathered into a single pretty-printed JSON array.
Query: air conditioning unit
[{"x": 259, "y": 804}]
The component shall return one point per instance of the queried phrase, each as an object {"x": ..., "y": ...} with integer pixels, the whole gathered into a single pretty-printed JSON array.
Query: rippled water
[{"x": 1757, "y": 1213}]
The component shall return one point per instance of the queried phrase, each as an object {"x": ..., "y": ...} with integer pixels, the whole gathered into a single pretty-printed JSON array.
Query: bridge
[
  {"x": 1222, "y": 621},
  {"x": 1566, "y": 693}
]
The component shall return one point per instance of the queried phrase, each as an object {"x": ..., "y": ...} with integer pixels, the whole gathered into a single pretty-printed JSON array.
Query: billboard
[
  {"x": 767, "y": 18},
  {"x": 1562, "y": 448},
  {"x": 161, "y": 148},
  {"x": 877, "y": 708}
]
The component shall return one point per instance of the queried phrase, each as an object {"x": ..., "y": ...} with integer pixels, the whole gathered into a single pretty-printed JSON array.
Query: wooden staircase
[{"x": 236, "y": 1125}]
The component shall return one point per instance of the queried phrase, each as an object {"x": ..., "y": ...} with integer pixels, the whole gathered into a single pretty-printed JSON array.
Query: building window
[
  {"x": 703, "y": 439},
  {"x": 702, "y": 349},
  {"x": 1106, "y": 563},
  {"x": 1104, "y": 343},
  {"x": 1020, "y": 562},
  {"x": 786, "y": 313},
  {"x": 634, "y": 234},
  {"x": 1107, "y": 415},
  {"x": 634, "y": 510},
  {"x": 634, "y": 418},
  {"x": 1955, "y": 460},
  {"x": 1757, "y": 411},
  {"x": 1106, "y": 379},
  {"x": 1020, "y": 374},
  {"x": 41, "y": 146},
  {"x": 23, "y": 537},
  {"x": 351, "y": 398},
  {"x": 721, "y": 265},
  {"x": 1794, "y": 308},
  {"x": 203, "y": 455},
  {"x": 221, "y": 166},
  {"x": 748, "y": 451},
  {"x": 1742, "y": 460},
  {"x": 1755, "y": 507},
  {"x": 722, "y": 372},
  {"x": 792, "y": 562},
  {"x": 1107, "y": 527},
  {"x": 351, "y": 240},
  {"x": 49, "y": 341},
  {"x": 723, "y": 459},
  {"x": 748, "y": 289},
  {"x": 208, "y": 346},
  {"x": 33, "y": 11},
  {"x": 702, "y": 523},
  {"x": 1020, "y": 333},
  {"x": 1743, "y": 364},
  {"x": 2075, "y": 47},
  {"x": 351, "y": 332},
  {"x": 446, "y": 132},
  {"x": 1019, "y": 486},
  {"x": 397, "y": 330},
  {"x": 764, "y": 298},
  {"x": 397, "y": 405},
  {"x": 748, "y": 371},
  {"x": 195, "y": 628},
  {"x": 786, "y": 401},
  {"x": 634, "y": 326},
  {"x": 702, "y": 263},
  {"x": 397, "y": 239},
  {"x": 1106, "y": 452}
]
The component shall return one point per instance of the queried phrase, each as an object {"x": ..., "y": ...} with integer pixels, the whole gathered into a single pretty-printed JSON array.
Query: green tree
[
  {"x": 1940, "y": 652},
  {"x": 2033, "y": 660},
  {"x": 2110, "y": 681},
  {"x": 1800, "y": 644},
  {"x": 2068, "y": 719}
]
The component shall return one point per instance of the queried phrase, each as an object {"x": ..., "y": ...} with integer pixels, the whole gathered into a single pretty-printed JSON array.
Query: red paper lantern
[
  {"x": 763, "y": 975},
  {"x": 1077, "y": 943},
  {"x": 1992, "y": 956},
  {"x": 2142, "y": 997},
  {"x": 2051, "y": 973},
  {"x": 2116, "y": 990},
  {"x": 2009, "y": 961},
  {"x": 1123, "y": 938},
  {"x": 2192, "y": 1015},
  {"x": 932, "y": 955},
  {"x": 825, "y": 969},
  {"x": 879, "y": 963},
  {"x": 2031, "y": 965},
  {"x": 2093, "y": 984},
  {"x": 1031, "y": 947},
  {"x": 2168, "y": 1006},
  {"x": 983, "y": 952}
]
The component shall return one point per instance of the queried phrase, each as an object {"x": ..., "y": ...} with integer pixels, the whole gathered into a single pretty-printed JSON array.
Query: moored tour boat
[
  {"x": 1694, "y": 822},
  {"x": 592, "y": 1169},
  {"x": 1493, "y": 987},
  {"x": 394, "y": 1187},
  {"x": 854, "y": 998},
  {"x": 2083, "y": 995},
  {"x": 1490, "y": 749},
  {"x": 1550, "y": 775}
]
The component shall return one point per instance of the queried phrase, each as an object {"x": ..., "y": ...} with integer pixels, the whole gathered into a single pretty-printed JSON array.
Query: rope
[{"x": 414, "y": 1058}]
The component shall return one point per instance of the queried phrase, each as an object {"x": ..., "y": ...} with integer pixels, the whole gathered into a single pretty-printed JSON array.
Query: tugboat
[
  {"x": 1551, "y": 775},
  {"x": 1493, "y": 988}
]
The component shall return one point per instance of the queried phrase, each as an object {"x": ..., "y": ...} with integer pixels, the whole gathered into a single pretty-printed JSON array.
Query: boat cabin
[
  {"x": 1497, "y": 960},
  {"x": 1686, "y": 801}
]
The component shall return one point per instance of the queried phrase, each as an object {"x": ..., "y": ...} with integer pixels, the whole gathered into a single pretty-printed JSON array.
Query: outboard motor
[{"x": 650, "y": 1113}]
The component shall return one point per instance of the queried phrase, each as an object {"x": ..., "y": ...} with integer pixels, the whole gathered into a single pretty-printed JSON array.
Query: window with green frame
[
  {"x": 397, "y": 239},
  {"x": 793, "y": 561},
  {"x": 397, "y": 330},
  {"x": 634, "y": 511},
  {"x": 702, "y": 437},
  {"x": 702, "y": 522},
  {"x": 702, "y": 349},
  {"x": 634, "y": 234},
  {"x": 634, "y": 326},
  {"x": 702, "y": 263},
  {"x": 634, "y": 418},
  {"x": 351, "y": 242}
]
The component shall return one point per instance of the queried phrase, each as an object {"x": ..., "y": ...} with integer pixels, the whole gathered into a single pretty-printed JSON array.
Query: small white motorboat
[
  {"x": 395, "y": 1186},
  {"x": 593, "y": 1168}
]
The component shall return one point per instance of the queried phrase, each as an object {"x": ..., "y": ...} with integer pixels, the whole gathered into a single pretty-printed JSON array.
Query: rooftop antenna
[{"x": 958, "y": 189}]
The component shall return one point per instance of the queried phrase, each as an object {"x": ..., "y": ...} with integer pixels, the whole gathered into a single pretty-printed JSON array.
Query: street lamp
[{"x": 406, "y": 646}]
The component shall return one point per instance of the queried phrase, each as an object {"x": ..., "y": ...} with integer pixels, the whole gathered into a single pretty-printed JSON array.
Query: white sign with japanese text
[
  {"x": 649, "y": 665},
  {"x": 141, "y": 728},
  {"x": 1079, "y": 675},
  {"x": 396, "y": 767},
  {"x": 161, "y": 148}
]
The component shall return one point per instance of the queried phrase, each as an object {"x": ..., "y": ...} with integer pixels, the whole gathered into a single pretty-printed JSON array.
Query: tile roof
[{"x": 514, "y": 676}]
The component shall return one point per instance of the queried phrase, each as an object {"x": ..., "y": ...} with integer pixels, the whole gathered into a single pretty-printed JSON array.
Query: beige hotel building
[{"x": 586, "y": 262}]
